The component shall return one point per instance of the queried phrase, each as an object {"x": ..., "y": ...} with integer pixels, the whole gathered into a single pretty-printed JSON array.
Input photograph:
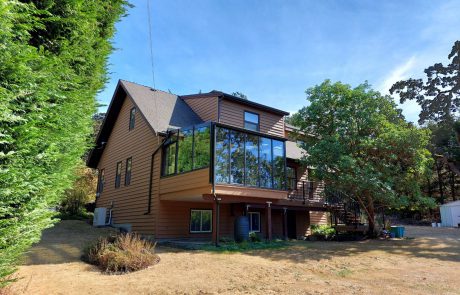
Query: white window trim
[
  {"x": 250, "y": 222},
  {"x": 201, "y": 221}
]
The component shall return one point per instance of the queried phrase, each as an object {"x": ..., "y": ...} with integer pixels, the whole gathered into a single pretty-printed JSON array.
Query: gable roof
[
  {"x": 220, "y": 94},
  {"x": 160, "y": 109}
]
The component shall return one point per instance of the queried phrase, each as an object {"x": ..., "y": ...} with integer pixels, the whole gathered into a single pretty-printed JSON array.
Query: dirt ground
[{"x": 428, "y": 263}]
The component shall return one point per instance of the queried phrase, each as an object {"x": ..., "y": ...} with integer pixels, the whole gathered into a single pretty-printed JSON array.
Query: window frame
[
  {"x": 201, "y": 221},
  {"x": 118, "y": 176},
  {"x": 288, "y": 179},
  {"x": 128, "y": 173},
  {"x": 132, "y": 118},
  {"x": 250, "y": 221},
  {"x": 249, "y": 122}
]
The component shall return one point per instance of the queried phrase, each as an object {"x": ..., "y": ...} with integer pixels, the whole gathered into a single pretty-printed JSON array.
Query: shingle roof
[{"x": 162, "y": 110}]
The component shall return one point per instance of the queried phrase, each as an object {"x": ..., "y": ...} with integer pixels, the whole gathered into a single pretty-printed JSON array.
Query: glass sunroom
[{"x": 235, "y": 156}]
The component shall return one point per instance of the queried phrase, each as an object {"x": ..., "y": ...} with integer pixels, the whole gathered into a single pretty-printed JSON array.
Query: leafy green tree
[
  {"x": 439, "y": 95},
  {"x": 53, "y": 58},
  {"x": 363, "y": 147}
]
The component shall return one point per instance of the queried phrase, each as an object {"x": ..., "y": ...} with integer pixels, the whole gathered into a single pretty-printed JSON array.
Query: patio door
[{"x": 291, "y": 224}]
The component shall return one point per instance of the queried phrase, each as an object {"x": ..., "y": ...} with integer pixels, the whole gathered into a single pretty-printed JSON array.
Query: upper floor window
[
  {"x": 251, "y": 121},
  {"x": 118, "y": 175},
  {"x": 291, "y": 177},
  {"x": 128, "y": 171},
  {"x": 100, "y": 182},
  {"x": 187, "y": 150},
  {"x": 248, "y": 159},
  {"x": 132, "y": 118}
]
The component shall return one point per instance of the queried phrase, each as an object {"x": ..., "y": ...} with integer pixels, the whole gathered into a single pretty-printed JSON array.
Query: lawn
[{"x": 427, "y": 264}]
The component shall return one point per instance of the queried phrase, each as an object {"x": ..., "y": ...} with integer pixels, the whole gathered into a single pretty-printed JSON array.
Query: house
[{"x": 179, "y": 167}]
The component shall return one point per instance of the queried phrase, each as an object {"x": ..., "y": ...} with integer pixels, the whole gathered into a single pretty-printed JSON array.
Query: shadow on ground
[{"x": 64, "y": 243}]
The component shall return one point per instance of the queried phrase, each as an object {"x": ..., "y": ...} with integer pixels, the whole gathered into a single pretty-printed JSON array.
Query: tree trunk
[
  {"x": 371, "y": 216},
  {"x": 440, "y": 182}
]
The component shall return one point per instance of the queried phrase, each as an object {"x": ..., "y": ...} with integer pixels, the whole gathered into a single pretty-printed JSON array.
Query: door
[{"x": 291, "y": 224}]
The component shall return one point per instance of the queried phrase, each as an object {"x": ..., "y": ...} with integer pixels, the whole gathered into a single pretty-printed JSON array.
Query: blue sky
[{"x": 272, "y": 51}]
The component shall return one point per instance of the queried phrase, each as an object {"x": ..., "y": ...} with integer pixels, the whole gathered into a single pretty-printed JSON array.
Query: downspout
[{"x": 152, "y": 162}]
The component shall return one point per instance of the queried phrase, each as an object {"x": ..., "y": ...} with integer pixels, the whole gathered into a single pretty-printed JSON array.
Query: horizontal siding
[
  {"x": 129, "y": 202},
  {"x": 317, "y": 217},
  {"x": 205, "y": 107},
  {"x": 232, "y": 113},
  {"x": 185, "y": 181}
]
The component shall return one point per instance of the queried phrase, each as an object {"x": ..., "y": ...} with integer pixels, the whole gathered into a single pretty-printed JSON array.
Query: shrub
[
  {"x": 322, "y": 231},
  {"x": 254, "y": 237},
  {"x": 121, "y": 253}
]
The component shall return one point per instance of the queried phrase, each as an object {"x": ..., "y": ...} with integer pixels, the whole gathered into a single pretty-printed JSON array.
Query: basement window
[{"x": 200, "y": 221}]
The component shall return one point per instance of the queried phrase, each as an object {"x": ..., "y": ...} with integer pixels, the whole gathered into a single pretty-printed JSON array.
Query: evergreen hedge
[{"x": 53, "y": 58}]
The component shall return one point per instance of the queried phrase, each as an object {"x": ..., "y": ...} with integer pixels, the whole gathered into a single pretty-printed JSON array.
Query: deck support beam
[
  {"x": 285, "y": 229},
  {"x": 216, "y": 221},
  {"x": 269, "y": 221}
]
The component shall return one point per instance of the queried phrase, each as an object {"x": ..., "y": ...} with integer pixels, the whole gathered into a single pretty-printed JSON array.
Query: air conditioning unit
[{"x": 100, "y": 215}]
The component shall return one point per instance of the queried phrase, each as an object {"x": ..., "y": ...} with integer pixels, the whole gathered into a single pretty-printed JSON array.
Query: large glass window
[
  {"x": 222, "y": 150},
  {"x": 191, "y": 146},
  {"x": 251, "y": 121},
  {"x": 249, "y": 159},
  {"x": 236, "y": 157},
  {"x": 170, "y": 156},
  {"x": 202, "y": 150},
  {"x": 185, "y": 151},
  {"x": 279, "y": 174},
  {"x": 252, "y": 160},
  {"x": 200, "y": 221},
  {"x": 291, "y": 178},
  {"x": 265, "y": 154}
]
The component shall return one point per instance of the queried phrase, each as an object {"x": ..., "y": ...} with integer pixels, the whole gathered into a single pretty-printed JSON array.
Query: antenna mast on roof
[{"x": 150, "y": 43}]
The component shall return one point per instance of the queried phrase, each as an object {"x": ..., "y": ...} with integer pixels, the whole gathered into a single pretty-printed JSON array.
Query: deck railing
[{"x": 308, "y": 192}]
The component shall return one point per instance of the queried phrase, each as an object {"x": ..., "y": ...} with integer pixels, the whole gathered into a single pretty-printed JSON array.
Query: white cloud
[{"x": 401, "y": 72}]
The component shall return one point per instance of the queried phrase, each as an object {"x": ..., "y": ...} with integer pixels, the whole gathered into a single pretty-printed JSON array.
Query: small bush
[
  {"x": 322, "y": 231},
  {"x": 254, "y": 237},
  {"x": 122, "y": 253}
]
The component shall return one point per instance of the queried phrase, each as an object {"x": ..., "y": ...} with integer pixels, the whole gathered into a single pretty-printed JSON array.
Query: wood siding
[
  {"x": 232, "y": 113},
  {"x": 205, "y": 107},
  {"x": 187, "y": 186},
  {"x": 129, "y": 202}
]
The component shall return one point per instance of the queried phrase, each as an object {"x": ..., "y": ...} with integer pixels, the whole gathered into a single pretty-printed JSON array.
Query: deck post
[
  {"x": 216, "y": 221},
  {"x": 285, "y": 230},
  {"x": 269, "y": 221}
]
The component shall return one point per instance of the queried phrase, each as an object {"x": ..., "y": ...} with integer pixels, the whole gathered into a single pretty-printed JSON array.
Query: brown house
[{"x": 178, "y": 167}]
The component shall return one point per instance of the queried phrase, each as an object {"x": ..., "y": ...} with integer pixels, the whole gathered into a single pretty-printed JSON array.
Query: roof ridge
[{"x": 151, "y": 88}]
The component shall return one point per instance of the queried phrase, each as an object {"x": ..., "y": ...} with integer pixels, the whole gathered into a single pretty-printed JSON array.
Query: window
[
  {"x": 201, "y": 147},
  {"x": 279, "y": 176},
  {"x": 200, "y": 221},
  {"x": 252, "y": 160},
  {"x": 291, "y": 178},
  {"x": 132, "y": 118},
  {"x": 266, "y": 169},
  {"x": 128, "y": 171},
  {"x": 236, "y": 157},
  {"x": 118, "y": 175},
  {"x": 187, "y": 149},
  {"x": 251, "y": 121},
  {"x": 184, "y": 159},
  {"x": 222, "y": 148},
  {"x": 254, "y": 221},
  {"x": 100, "y": 183},
  {"x": 249, "y": 159}
]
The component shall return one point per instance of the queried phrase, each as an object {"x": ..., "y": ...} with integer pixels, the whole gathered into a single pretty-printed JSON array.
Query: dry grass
[
  {"x": 426, "y": 264},
  {"x": 122, "y": 253}
]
